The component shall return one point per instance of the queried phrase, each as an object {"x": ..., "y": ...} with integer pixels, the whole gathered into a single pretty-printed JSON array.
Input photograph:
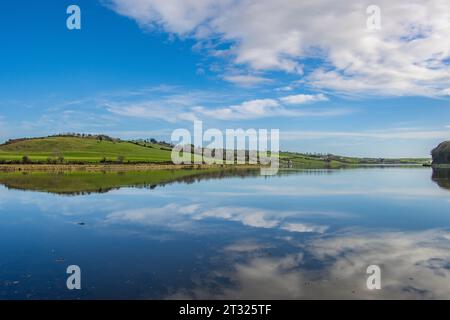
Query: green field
[
  {"x": 98, "y": 149},
  {"x": 83, "y": 150},
  {"x": 300, "y": 160}
]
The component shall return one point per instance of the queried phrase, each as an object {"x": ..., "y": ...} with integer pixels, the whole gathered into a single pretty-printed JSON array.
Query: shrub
[{"x": 50, "y": 160}]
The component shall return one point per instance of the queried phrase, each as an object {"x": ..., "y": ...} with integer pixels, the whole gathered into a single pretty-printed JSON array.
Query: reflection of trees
[
  {"x": 442, "y": 177},
  {"x": 57, "y": 183}
]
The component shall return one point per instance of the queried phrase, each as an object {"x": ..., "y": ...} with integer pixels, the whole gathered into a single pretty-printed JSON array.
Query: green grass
[
  {"x": 333, "y": 161},
  {"x": 85, "y": 150},
  {"x": 92, "y": 150}
]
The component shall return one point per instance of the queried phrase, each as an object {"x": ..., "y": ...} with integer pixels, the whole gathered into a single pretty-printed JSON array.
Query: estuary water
[{"x": 307, "y": 234}]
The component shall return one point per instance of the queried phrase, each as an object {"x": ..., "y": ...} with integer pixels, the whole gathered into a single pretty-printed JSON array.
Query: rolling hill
[
  {"x": 83, "y": 150},
  {"x": 92, "y": 149}
]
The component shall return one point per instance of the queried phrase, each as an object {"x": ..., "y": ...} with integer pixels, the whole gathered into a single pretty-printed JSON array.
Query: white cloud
[
  {"x": 246, "y": 80},
  {"x": 263, "y": 108},
  {"x": 150, "y": 110},
  {"x": 304, "y": 98},
  {"x": 387, "y": 134},
  {"x": 445, "y": 92},
  {"x": 188, "y": 106},
  {"x": 251, "y": 109},
  {"x": 408, "y": 56},
  {"x": 285, "y": 88}
]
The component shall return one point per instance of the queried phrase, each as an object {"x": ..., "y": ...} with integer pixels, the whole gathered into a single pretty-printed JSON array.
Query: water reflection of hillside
[
  {"x": 442, "y": 177},
  {"x": 81, "y": 183}
]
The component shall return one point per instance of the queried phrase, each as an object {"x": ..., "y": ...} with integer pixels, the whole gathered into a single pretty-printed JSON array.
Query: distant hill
[
  {"x": 441, "y": 154},
  {"x": 89, "y": 149},
  {"x": 86, "y": 149}
]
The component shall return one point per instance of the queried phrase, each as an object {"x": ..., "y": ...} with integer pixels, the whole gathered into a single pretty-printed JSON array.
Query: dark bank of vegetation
[{"x": 441, "y": 154}]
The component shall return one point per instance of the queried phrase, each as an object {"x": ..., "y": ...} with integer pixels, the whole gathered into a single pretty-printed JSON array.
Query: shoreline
[
  {"x": 129, "y": 167},
  {"x": 441, "y": 165},
  {"x": 114, "y": 167}
]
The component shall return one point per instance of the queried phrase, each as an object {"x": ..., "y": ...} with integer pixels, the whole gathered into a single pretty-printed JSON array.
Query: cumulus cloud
[
  {"x": 408, "y": 56},
  {"x": 257, "y": 108},
  {"x": 386, "y": 134},
  {"x": 151, "y": 110},
  {"x": 304, "y": 98},
  {"x": 263, "y": 108},
  {"x": 246, "y": 80},
  {"x": 183, "y": 105}
]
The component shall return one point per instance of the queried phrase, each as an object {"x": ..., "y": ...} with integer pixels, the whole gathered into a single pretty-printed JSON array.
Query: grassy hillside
[
  {"x": 298, "y": 160},
  {"x": 102, "y": 149},
  {"x": 86, "y": 150}
]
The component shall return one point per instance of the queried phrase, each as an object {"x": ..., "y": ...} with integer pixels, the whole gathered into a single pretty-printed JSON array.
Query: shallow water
[{"x": 299, "y": 235}]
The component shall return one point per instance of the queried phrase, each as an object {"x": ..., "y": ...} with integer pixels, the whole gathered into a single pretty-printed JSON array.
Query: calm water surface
[{"x": 299, "y": 235}]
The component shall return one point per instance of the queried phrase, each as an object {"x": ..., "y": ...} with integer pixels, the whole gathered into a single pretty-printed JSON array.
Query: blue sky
[{"x": 141, "y": 68}]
